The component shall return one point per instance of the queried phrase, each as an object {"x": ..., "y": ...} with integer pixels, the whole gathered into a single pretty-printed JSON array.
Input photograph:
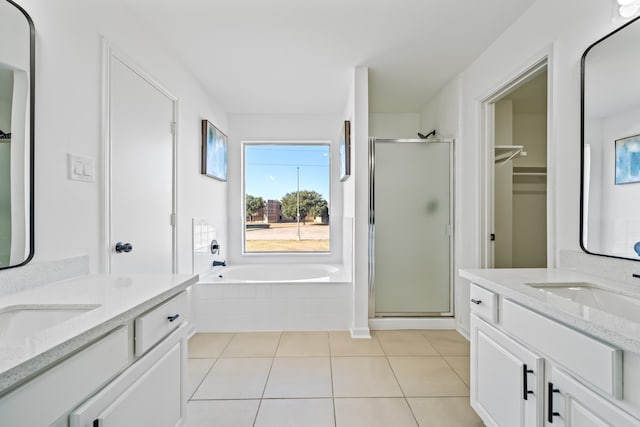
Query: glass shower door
[{"x": 412, "y": 212}]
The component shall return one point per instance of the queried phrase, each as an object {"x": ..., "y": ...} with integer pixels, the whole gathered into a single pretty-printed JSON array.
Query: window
[{"x": 286, "y": 197}]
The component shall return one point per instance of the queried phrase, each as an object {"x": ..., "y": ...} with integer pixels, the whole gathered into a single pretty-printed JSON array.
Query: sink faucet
[{"x": 219, "y": 263}]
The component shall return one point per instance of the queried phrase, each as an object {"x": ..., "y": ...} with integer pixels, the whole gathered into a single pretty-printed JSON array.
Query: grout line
[
  {"x": 456, "y": 372},
  {"x": 203, "y": 378},
  {"x": 404, "y": 396},
  {"x": 333, "y": 393},
  {"x": 273, "y": 358},
  {"x": 233, "y": 336},
  {"x": 210, "y": 368}
]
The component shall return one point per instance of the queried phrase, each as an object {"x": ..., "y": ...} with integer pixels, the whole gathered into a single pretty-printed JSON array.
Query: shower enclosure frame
[{"x": 450, "y": 228}]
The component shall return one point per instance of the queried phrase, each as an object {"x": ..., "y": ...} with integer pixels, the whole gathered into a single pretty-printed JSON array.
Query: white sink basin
[
  {"x": 19, "y": 322},
  {"x": 593, "y": 296}
]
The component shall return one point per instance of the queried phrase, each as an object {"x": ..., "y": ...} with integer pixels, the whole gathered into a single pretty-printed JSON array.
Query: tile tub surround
[
  {"x": 120, "y": 299},
  {"x": 319, "y": 378},
  {"x": 605, "y": 325}
]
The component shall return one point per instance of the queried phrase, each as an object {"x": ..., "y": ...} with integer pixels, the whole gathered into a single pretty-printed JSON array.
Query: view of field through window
[{"x": 286, "y": 205}]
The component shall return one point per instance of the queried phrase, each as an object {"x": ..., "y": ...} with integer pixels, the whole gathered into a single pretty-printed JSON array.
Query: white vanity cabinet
[
  {"x": 506, "y": 378},
  {"x": 46, "y": 399},
  {"x": 571, "y": 404},
  {"x": 152, "y": 391},
  {"x": 530, "y": 370}
]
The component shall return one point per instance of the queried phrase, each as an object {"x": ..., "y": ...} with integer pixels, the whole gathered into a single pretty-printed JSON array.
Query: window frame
[{"x": 243, "y": 195}]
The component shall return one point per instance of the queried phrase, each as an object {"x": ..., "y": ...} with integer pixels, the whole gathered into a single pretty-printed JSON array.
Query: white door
[
  {"x": 506, "y": 379},
  {"x": 141, "y": 174}
]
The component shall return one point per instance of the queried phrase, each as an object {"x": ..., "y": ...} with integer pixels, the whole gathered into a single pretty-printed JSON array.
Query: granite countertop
[
  {"x": 109, "y": 301},
  {"x": 610, "y": 323}
]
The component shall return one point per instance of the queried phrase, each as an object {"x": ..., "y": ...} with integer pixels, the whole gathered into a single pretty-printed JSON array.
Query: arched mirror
[{"x": 17, "y": 44}]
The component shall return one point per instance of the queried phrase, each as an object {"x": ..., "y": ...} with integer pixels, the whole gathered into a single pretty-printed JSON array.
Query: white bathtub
[
  {"x": 277, "y": 273},
  {"x": 273, "y": 297}
]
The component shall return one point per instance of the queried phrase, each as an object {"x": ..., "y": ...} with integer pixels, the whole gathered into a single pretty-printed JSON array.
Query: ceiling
[{"x": 297, "y": 56}]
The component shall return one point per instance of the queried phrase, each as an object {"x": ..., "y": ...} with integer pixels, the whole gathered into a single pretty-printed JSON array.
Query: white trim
[
  {"x": 396, "y": 323},
  {"x": 334, "y": 236},
  {"x": 360, "y": 333},
  {"x": 109, "y": 52},
  {"x": 486, "y": 120}
]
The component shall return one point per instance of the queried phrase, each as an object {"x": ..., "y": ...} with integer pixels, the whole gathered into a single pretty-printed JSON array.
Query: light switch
[{"x": 80, "y": 168}]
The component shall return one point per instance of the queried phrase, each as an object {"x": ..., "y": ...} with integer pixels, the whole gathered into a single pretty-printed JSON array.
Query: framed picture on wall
[
  {"x": 628, "y": 160},
  {"x": 345, "y": 150},
  {"x": 214, "y": 152}
]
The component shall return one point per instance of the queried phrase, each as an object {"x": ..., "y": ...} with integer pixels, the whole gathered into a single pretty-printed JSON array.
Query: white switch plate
[{"x": 80, "y": 168}]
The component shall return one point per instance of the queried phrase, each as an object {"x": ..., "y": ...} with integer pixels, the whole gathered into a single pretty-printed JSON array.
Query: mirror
[{"x": 17, "y": 44}]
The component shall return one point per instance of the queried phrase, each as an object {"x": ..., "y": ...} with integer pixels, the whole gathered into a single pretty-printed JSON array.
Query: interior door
[{"x": 141, "y": 174}]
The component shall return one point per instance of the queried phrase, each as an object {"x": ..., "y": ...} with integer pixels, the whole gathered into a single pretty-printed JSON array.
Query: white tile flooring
[{"x": 307, "y": 379}]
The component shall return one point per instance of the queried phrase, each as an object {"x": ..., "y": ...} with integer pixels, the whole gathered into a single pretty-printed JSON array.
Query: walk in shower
[{"x": 410, "y": 227}]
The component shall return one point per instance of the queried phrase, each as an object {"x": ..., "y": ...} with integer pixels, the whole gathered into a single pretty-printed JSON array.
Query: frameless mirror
[
  {"x": 17, "y": 43},
  {"x": 610, "y": 139}
]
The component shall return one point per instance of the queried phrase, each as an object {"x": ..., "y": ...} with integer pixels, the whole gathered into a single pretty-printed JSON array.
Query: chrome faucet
[{"x": 219, "y": 263}]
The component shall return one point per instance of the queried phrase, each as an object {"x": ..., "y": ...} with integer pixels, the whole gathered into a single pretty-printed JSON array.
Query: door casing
[{"x": 487, "y": 142}]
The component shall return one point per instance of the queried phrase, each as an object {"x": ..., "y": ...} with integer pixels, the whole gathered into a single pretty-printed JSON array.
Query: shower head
[{"x": 432, "y": 133}]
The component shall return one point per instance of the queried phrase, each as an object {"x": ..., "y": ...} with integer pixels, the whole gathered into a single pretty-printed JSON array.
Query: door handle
[
  {"x": 123, "y": 247},
  {"x": 525, "y": 382},
  {"x": 551, "y": 413}
]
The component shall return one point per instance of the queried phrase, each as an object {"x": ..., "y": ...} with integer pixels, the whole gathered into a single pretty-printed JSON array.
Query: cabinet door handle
[
  {"x": 476, "y": 301},
  {"x": 525, "y": 387},
  {"x": 172, "y": 318},
  {"x": 550, "y": 411}
]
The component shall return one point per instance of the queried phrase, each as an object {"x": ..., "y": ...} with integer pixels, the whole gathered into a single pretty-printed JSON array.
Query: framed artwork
[
  {"x": 214, "y": 152},
  {"x": 345, "y": 151},
  {"x": 628, "y": 160}
]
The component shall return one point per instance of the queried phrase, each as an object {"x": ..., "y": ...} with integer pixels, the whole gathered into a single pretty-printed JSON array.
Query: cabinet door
[
  {"x": 506, "y": 379},
  {"x": 153, "y": 400},
  {"x": 150, "y": 392},
  {"x": 571, "y": 404}
]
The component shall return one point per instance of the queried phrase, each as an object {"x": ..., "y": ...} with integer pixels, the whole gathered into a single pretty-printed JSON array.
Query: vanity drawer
[
  {"x": 484, "y": 303},
  {"x": 596, "y": 362},
  {"x": 157, "y": 323},
  {"x": 46, "y": 398}
]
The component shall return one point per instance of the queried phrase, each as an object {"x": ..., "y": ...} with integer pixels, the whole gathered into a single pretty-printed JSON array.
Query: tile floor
[{"x": 307, "y": 379}]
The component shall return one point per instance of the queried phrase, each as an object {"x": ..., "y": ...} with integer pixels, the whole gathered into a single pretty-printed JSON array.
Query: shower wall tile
[{"x": 204, "y": 232}]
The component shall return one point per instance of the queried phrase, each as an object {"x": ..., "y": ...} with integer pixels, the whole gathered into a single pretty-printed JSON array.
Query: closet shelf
[{"x": 530, "y": 171}]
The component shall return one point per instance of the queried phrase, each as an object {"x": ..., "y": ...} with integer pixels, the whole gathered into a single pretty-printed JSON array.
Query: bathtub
[
  {"x": 273, "y": 297},
  {"x": 276, "y": 273}
]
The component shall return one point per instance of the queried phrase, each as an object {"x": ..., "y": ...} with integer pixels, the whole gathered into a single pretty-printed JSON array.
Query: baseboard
[
  {"x": 392, "y": 323},
  {"x": 359, "y": 333}
]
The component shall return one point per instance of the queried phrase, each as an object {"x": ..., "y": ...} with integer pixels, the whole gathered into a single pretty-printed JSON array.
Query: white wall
[
  {"x": 397, "y": 125},
  {"x": 358, "y": 199},
  {"x": 282, "y": 128},
  {"x": 68, "y": 120},
  {"x": 442, "y": 111},
  {"x": 564, "y": 30}
]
